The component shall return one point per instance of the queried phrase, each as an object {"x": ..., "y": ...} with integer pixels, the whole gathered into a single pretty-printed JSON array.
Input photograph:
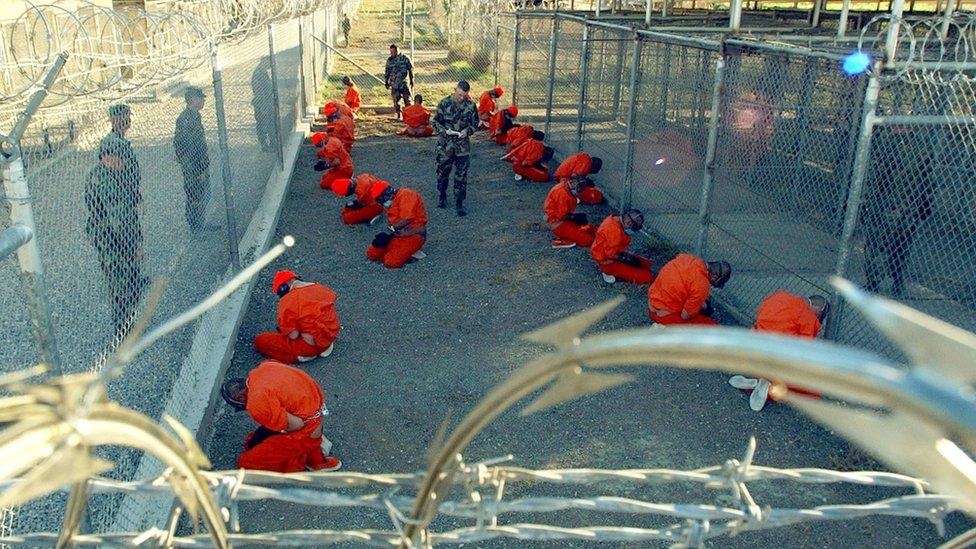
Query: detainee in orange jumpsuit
[
  {"x": 340, "y": 126},
  {"x": 352, "y": 97},
  {"x": 340, "y": 105},
  {"x": 570, "y": 228},
  {"x": 582, "y": 165},
  {"x": 335, "y": 160},
  {"x": 787, "y": 314},
  {"x": 679, "y": 294},
  {"x": 407, "y": 231},
  {"x": 486, "y": 105},
  {"x": 500, "y": 123},
  {"x": 609, "y": 249},
  {"x": 361, "y": 209},
  {"x": 530, "y": 161},
  {"x": 307, "y": 321},
  {"x": 289, "y": 407},
  {"x": 417, "y": 119},
  {"x": 520, "y": 134}
]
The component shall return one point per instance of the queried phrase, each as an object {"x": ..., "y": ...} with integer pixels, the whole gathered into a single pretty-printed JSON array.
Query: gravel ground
[{"x": 426, "y": 342}]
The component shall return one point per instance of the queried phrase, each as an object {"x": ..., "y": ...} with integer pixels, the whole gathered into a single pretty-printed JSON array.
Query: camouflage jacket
[
  {"x": 190, "y": 142},
  {"x": 131, "y": 173},
  {"x": 451, "y": 116},
  {"x": 113, "y": 214},
  {"x": 397, "y": 69}
]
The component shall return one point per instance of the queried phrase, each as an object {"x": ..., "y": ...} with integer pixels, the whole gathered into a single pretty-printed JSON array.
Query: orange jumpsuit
[
  {"x": 497, "y": 129},
  {"x": 274, "y": 389},
  {"x": 407, "y": 204},
  {"x": 333, "y": 151},
  {"x": 527, "y": 161},
  {"x": 370, "y": 208},
  {"x": 559, "y": 203},
  {"x": 681, "y": 285},
  {"x": 610, "y": 240},
  {"x": 343, "y": 129},
  {"x": 417, "y": 119},
  {"x": 486, "y": 106},
  {"x": 344, "y": 109},
  {"x": 518, "y": 135},
  {"x": 352, "y": 98},
  {"x": 579, "y": 164},
  {"x": 309, "y": 310},
  {"x": 785, "y": 313}
]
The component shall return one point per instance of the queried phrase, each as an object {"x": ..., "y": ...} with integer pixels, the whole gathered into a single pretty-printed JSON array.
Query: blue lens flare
[{"x": 856, "y": 63}]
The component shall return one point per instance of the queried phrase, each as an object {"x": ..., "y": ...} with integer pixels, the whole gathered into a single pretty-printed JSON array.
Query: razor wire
[
  {"x": 115, "y": 54},
  {"x": 934, "y": 46}
]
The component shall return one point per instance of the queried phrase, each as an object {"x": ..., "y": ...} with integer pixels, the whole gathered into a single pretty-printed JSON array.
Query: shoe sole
[{"x": 563, "y": 247}]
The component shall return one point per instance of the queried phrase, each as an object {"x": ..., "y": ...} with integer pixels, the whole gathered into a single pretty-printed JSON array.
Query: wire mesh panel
[
  {"x": 785, "y": 143},
  {"x": 673, "y": 100},
  {"x": 287, "y": 62},
  {"x": 566, "y": 85},
  {"x": 911, "y": 243},
  {"x": 606, "y": 106},
  {"x": 535, "y": 36},
  {"x": 505, "y": 50},
  {"x": 251, "y": 131}
]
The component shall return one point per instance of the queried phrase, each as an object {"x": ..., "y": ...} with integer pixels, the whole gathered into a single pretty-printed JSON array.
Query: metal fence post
[
  {"x": 551, "y": 88},
  {"x": 226, "y": 177},
  {"x": 627, "y": 196},
  {"x": 515, "y": 60},
  {"x": 665, "y": 84},
  {"x": 315, "y": 63},
  {"x": 274, "y": 96},
  {"x": 22, "y": 213},
  {"x": 618, "y": 82},
  {"x": 854, "y": 195},
  {"x": 584, "y": 69},
  {"x": 708, "y": 180},
  {"x": 498, "y": 45},
  {"x": 302, "y": 78}
]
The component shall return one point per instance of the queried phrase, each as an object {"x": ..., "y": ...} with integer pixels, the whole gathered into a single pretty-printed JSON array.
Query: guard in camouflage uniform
[
  {"x": 898, "y": 198},
  {"x": 455, "y": 121},
  {"x": 114, "y": 229},
  {"x": 120, "y": 117},
  {"x": 190, "y": 144},
  {"x": 398, "y": 69}
]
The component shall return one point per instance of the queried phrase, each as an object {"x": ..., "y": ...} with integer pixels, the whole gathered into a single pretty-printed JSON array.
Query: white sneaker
[
  {"x": 759, "y": 395},
  {"x": 328, "y": 351},
  {"x": 518, "y": 177},
  {"x": 743, "y": 382},
  {"x": 375, "y": 219},
  {"x": 609, "y": 279},
  {"x": 419, "y": 254}
]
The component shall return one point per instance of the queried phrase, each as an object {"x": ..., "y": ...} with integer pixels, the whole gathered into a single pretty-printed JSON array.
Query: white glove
[{"x": 452, "y": 132}]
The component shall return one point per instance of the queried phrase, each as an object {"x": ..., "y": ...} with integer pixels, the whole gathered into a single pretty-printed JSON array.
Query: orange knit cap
[{"x": 281, "y": 277}]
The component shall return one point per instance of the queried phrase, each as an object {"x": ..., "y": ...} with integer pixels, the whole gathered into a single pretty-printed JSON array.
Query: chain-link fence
[
  {"x": 747, "y": 151},
  {"x": 155, "y": 190}
]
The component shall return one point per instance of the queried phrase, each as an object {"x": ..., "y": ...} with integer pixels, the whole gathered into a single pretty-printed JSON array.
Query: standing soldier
[
  {"x": 190, "y": 144},
  {"x": 114, "y": 230},
  {"x": 346, "y": 26},
  {"x": 398, "y": 68},
  {"x": 120, "y": 117},
  {"x": 455, "y": 121}
]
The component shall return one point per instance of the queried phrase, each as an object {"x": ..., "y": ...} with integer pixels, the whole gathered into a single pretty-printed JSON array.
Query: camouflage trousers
[
  {"x": 119, "y": 259},
  {"x": 400, "y": 91},
  {"x": 196, "y": 184},
  {"x": 446, "y": 160}
]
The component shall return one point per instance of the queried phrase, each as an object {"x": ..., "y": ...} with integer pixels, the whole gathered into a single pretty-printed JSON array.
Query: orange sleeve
[
  {"x": 287, "y": 314},
  {"x": 264, "y": 406},
  {"x": 698, "y": 289},
  {"x": 495, "y": 123},
  {"x": 533, "y": 152},
  {"x": 808, "y": 325},
  {"x": 352, "y": 98},
  {"x": 575, "y": 164},
  {"x": 558, "y": 204},
  {"x": 609, "y": 241},
  {"x": 486, "y": 103}
]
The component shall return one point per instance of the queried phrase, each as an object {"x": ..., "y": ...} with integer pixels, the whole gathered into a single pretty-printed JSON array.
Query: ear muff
[{"x": 283, "y": 289}]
